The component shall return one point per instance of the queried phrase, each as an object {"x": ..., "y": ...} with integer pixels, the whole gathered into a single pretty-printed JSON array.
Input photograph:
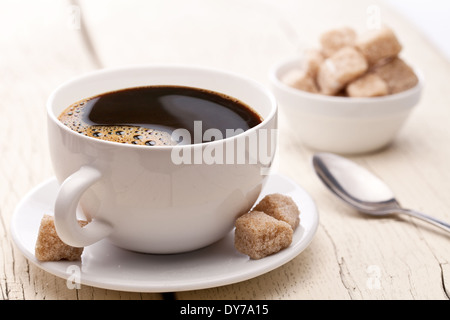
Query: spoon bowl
[{"x": 361, "y": 189}]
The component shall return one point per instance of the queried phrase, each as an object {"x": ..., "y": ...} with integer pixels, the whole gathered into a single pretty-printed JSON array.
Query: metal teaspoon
[{"x": 361, "y": 189}]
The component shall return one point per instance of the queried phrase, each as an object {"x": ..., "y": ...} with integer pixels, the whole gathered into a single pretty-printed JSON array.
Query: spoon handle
[{"x": 439, "y": 223}]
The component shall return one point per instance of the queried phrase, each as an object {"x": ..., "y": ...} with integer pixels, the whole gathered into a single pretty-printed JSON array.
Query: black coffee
[{"x": 149, "y": 115}]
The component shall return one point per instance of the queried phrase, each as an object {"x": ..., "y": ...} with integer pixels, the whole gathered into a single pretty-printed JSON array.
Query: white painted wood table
[{"x": 45, "y": 42}]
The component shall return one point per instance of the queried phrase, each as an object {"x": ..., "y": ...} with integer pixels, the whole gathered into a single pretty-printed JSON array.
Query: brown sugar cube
[
  {"x": 49, "y": 247},
  {"x": 369, "y": 85},
  {"x": 259, "y": 235},
  {"x": 341, "y": 68},
  {"x": 298, "y": 79},
  {"x": 280, "y": 207},
  {"x": 398, "y": 75},
  {"x": 378, "y": 44},
  {"x": 336, "y": 39},
  {"x": 311, "y": 61}
]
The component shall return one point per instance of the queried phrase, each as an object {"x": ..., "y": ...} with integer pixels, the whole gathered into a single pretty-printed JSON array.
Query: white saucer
[{"x": 106, "y": 266}]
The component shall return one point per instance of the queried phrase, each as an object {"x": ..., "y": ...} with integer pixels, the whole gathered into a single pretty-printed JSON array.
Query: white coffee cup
[{"x": 143, "y": 198}]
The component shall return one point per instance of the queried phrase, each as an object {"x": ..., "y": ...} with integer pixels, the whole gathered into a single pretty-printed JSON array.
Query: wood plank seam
[{"x": 86, "y": 37}]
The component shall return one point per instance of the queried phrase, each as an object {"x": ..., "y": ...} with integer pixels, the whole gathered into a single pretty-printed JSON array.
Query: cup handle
[{"x": 66, "y": 223}]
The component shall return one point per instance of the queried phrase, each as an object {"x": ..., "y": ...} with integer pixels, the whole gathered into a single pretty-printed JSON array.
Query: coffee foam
[{"x": 72, "y": 117}]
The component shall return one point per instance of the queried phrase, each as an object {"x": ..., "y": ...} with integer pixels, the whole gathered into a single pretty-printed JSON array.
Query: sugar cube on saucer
[
  {"x": 49, "y": 247},
  {"x": 280, "y": 207},
  {"x": 259, "y": 235}
]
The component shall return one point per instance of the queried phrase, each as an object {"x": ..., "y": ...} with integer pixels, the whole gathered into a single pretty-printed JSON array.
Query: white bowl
[{"x": 342, "y": 124}]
